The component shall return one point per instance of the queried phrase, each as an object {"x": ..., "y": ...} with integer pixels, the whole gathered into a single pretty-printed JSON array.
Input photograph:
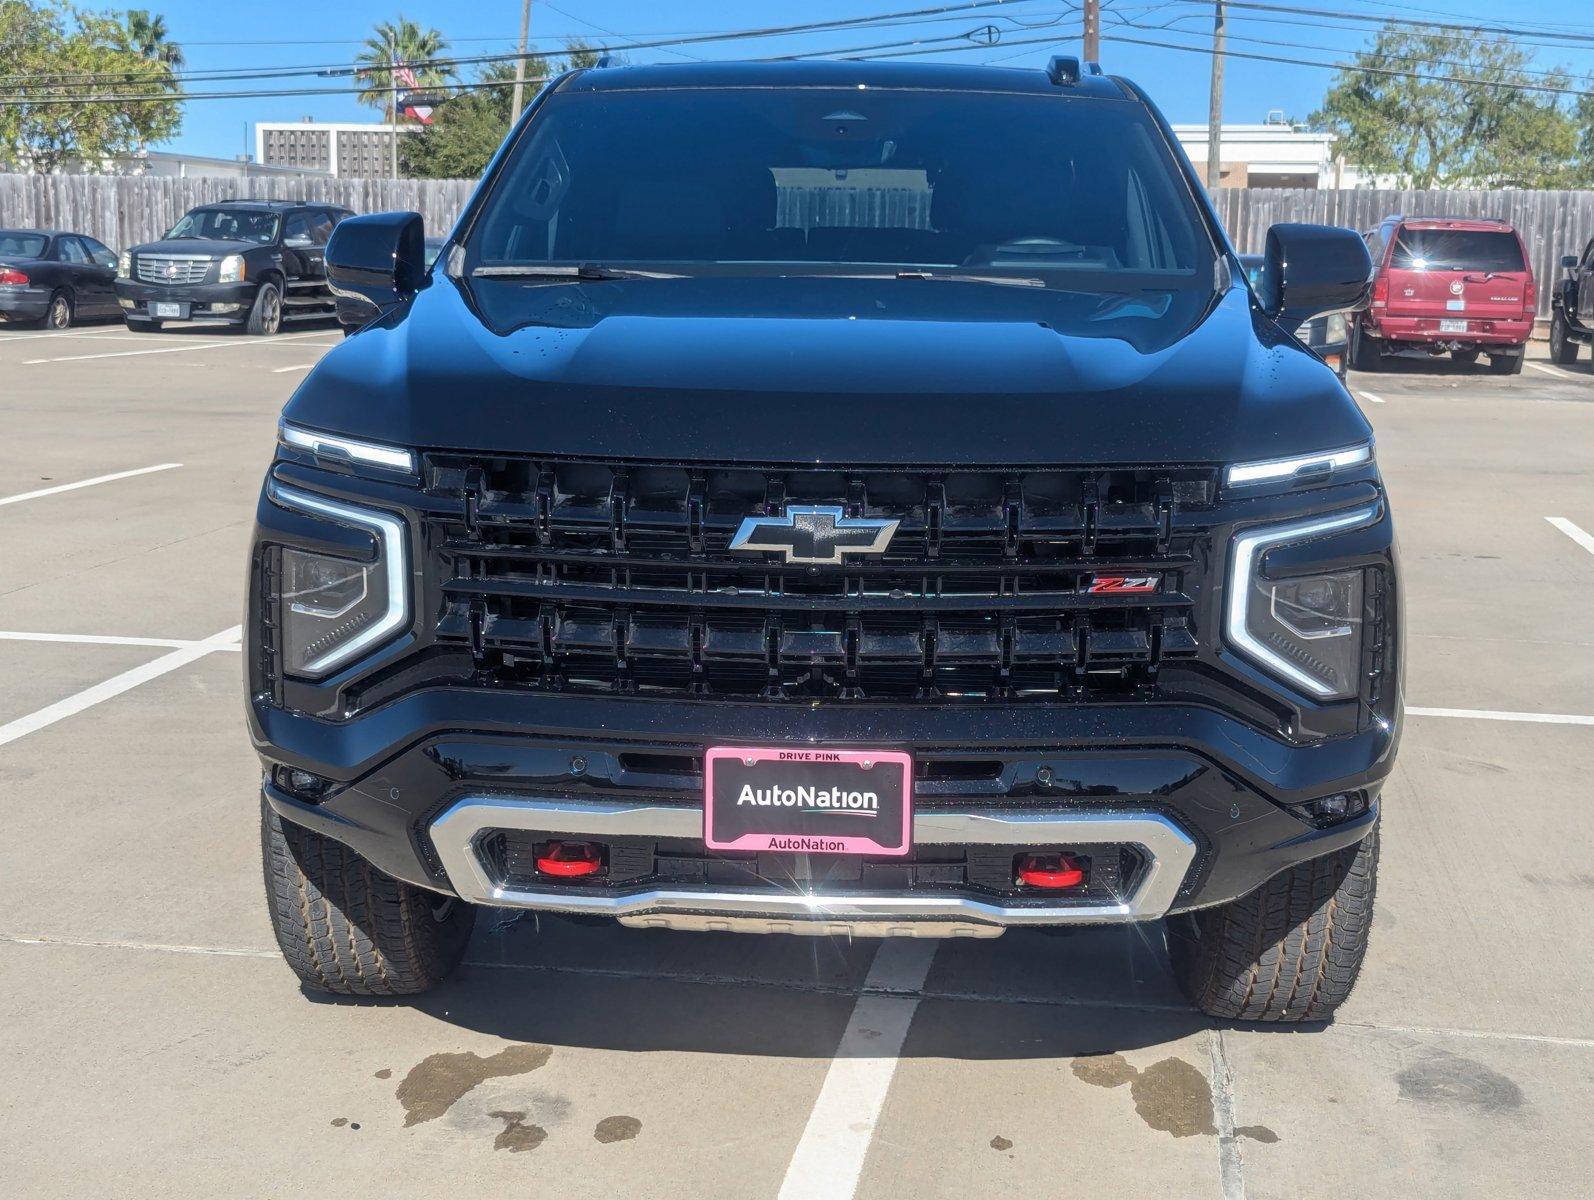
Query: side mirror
[
  {"x": 1569, "y": 262},
  {"x": 374, "y": 263},
  {"x": 1312, "y": 270}
]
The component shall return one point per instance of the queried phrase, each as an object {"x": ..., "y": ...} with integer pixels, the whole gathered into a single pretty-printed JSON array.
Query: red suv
[{"x": 1458, "y": 285}]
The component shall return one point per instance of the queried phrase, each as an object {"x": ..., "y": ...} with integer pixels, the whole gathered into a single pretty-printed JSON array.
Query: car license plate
[
  {"x": 1452, "y": 327},
  {"x": 161, "y": 308},
  {"x": 808, "y": 801}
]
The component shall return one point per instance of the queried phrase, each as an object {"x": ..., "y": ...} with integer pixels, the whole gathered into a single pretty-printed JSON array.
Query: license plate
[
  {"x": 161, "y": 308},
  {"x": 808, "y": 801},
  {"x": 1452, "y": 327}
]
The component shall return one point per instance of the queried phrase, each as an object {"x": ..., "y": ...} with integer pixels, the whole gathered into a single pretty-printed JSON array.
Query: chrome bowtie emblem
[{"x": 814, "y": 534}]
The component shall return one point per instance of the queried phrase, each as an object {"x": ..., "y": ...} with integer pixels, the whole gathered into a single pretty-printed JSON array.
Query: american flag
[{"x": 405, "y": 74}]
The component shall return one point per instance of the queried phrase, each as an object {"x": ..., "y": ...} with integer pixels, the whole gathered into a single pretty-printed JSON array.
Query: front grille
[
  {"x": 1112, "y": 870},
  {"x": 170, "y": 269},
  {"x": 582, "y": 575}
]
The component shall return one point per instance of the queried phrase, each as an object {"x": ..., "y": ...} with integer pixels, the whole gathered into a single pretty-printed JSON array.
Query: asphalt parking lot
[{"x": 155, "y": 1045}]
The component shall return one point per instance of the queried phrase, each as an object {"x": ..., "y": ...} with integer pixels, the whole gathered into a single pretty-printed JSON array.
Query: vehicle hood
[
  {"x": 216, "y": 247},
  {"x": 862, "y": 371}
]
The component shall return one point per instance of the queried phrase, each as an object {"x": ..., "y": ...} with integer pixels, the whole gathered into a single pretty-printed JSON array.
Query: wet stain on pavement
[
  {"x": 617, "y": 1129},
  {"x": 1000, "y": 1143},
  {"x": 439, "y": 1081},
  {"x": 516, "y": 1136},
  {"x": 1174, "y": 1097},
  {"x": 1450, "y": 1079},
  {"x": 1257, "y": 1133},
  {"x": 340, "y": 1122},
  {"x": 384, "y": 1073},
  {"x": 1171, "y": 1096}
]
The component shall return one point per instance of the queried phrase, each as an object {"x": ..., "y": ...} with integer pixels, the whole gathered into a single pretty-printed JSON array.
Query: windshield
[
  {"x": 1077, "y": 193},
  {"x": 229, "y": 224},
  {"x": 21, "y": 245},
  {"x": 1457, "y": 250}
]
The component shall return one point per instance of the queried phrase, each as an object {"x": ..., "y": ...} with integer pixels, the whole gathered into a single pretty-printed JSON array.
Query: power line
[{"x": 341, "y": 69}]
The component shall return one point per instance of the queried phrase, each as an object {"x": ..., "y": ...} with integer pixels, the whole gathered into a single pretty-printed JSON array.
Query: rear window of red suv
[{"x": 1457, "y": 250}]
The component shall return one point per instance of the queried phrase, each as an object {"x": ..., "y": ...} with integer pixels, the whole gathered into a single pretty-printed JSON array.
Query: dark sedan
[{"x": 50, "y": 279}]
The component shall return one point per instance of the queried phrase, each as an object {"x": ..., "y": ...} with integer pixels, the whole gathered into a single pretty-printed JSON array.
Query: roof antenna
[{"x": 1063, "y": 70}]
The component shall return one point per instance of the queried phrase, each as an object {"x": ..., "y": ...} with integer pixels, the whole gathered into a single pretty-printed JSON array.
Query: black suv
[
  {"x": 836, "y": 499},
  {"x": 249, "y": 263}
]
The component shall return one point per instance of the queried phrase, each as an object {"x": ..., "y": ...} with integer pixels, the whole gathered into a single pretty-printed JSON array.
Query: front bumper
[
  {"x": 200, "y": 297},
  {"x": 1198, "y": 795},
  {"x": 24, "y": 303}
]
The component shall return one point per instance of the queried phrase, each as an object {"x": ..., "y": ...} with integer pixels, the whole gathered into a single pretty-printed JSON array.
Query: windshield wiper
[
  {"x": 968, "y": 277},
  {"x": 555, "y": 271}
]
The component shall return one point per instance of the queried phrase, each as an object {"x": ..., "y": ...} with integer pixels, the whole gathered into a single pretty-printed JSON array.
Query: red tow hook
[
  {"x": 1049, "y": 871},
  {"x": 569, "y": 860}
]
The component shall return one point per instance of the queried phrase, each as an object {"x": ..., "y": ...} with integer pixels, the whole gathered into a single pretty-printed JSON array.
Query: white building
[
  {"x": 343, "y": 149},
  {"x": 1273, "y": 155}
]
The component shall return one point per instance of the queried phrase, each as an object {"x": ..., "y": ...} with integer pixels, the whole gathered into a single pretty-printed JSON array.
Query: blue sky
[{"x": 227, "y": 36}]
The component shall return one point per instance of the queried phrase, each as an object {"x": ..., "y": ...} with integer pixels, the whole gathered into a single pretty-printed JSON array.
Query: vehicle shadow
[
  {"x": 1441, "y": 366},
  {"x": 1023, "y": 996}
]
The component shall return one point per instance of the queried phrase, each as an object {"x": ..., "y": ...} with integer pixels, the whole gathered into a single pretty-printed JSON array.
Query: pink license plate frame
[{"x": 853, "y": 770}]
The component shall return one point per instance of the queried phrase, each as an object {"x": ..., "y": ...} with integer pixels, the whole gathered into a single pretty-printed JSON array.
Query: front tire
[
  {"x": 346, "y": 927},
  {"x": 1563, "y": 349},
  {"x": 1288, "y": 952},
  {"x": 265, "y": 315}
]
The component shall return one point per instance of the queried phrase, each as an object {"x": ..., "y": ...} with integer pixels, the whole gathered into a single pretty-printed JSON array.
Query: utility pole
[
  {"x": 1215, "y": 108},
  {"x": 1092, "y": 30},
  {"x": 520, "y": 63},
  {"x": 392, "y": 111}
]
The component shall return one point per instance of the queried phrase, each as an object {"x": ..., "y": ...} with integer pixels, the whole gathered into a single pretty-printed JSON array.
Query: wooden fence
[{"x": 126, "y": 210}]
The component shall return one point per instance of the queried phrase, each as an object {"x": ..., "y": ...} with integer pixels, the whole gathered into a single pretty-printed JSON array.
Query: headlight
[
  {"x": 1297, "y": 469},
  {"x": 124, "y": 265},
  {"x": 1306, "y": 630},
  {"x": 1336, "y": 328},
  {"x": 334, "y": 609},
  {"x": 346, "y": 450},
  {"x": 232, "y": 269}
]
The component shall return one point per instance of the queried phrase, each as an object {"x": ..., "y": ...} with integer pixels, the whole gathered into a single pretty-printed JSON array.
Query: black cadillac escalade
[{"x": 839, "y": 499}]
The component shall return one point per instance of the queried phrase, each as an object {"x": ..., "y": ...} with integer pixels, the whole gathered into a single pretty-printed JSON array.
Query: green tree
[
  {"x": 146, "y": 36},
  {"x": 468, "y": 128},
  {"x": 1468, "y": 122},
  {"x": 394, "y": 44},
  {"x": 66, "y": 61},
  {"x": 1583, "y": 117}
]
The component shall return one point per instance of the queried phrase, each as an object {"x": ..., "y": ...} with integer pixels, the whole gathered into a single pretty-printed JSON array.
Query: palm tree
[
  {"x": 400, "y": 43},
  {"x": 146, "y": 37}
]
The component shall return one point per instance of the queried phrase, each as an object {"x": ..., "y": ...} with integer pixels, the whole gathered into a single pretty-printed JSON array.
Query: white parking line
[
  {"x": 1580, "y": 536},
  {"x": 100, "y": 639},
  {"x": 1486, "y": 714},
  {"x": 115, "y": 686},
  {"x": 829, "y": 1158},
  {"x": 1556, "y": 371},
  {"x": 214, "y": 344},
  {"x": 83, "y": 483},
  {"x": 295, "y": 367},
  {"x": 1369, "y": 396}
]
